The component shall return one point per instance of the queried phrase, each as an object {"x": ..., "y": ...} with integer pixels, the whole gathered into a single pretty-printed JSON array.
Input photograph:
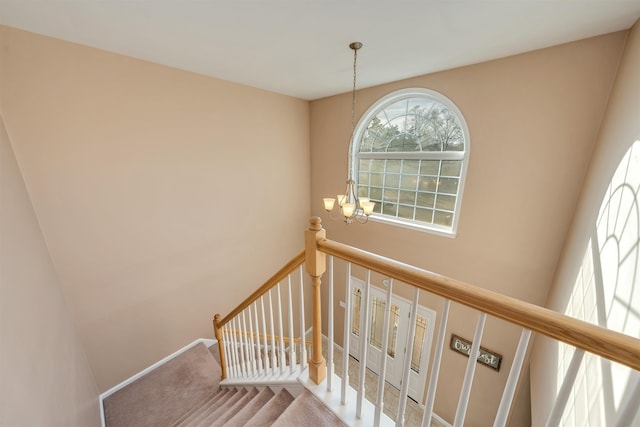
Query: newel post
[
  {"x": 218, "y": 332},
  {"x": 316, "y": 265}
]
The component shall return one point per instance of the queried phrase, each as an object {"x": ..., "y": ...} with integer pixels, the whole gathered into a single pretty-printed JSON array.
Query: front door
[{"x": 396, "y": 336}]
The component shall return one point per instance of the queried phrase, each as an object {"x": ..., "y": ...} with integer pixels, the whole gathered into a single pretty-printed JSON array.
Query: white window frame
[{"x": 355, "y": 154}]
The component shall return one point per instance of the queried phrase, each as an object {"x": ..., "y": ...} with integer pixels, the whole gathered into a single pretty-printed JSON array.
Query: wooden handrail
[
  {"x": 268, "y": 336},
  {"x": 273, "y": 281},
  {"x": 612, "y": 345}
]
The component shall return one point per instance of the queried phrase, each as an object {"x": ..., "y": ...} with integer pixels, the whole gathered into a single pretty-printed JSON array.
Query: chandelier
[{"x": 352, "y": 208}]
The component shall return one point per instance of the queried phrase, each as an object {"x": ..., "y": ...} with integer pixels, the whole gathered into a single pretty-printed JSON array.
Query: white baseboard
[{"x": 205, "y": 341}]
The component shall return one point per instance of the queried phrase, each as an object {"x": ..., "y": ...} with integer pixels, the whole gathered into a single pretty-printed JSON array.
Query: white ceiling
[{"x": 300, "y": 47}]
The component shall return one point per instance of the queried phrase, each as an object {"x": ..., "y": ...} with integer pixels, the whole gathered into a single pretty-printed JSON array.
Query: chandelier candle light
[{"x": 351, "y": 206}]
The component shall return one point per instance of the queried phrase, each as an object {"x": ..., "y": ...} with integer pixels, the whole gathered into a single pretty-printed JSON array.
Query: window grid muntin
[{"x": 446, "y": 204}]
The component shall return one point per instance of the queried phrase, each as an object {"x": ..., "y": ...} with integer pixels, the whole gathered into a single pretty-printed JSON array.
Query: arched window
[{"x": 410, "y": 157}]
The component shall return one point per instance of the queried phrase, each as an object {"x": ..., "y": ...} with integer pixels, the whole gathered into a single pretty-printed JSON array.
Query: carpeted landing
[{"x": 186, "y": 392}]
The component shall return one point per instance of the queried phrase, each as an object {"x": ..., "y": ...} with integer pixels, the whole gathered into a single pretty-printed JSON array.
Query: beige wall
[
  {"x": 163, "y": 196},
  {"x": 45, "y": 379},
  {"x": 620, "y": 128},
  {"x": 533, "y": 121}
]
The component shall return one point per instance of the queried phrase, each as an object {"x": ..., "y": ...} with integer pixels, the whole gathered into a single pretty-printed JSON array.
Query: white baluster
[
  {"x": 512, "y": 381},
  {"x": 234, "y": 350},
  {"x": 274, "y": 358},
  {"x": 330, "y": 338},
  {"x": 238, "y": 347},
  {"x": 565, "y": 389},
  {"x": 281, "y": 353},
  {"x": 292, "y": 345},
  {"x": 408, "y": 353},
  {"x": 365, "y": 322},
  {"x": 303, "y": 330},
  {"x": 346, "y": 339},
  {"x": 247, "y": 348},
  {"x": 264, "y": 338},
  {"x": 463, "y": 402},
  {"x": 227, "y": 353},
  {"x": 435, "y": 367},
  {"x": 255, "y": 340},
  {"x": 383, "y": 357}
]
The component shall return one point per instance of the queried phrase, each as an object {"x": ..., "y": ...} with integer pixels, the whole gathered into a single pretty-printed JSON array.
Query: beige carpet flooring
[{"x": 186, "y": 392}]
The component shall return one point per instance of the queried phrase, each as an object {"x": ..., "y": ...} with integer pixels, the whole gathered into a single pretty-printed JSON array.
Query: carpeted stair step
[
  {"x": 306, "y": 410},
  {"x": 251, "y": 408},
  {"x": 221, "y": 410},
  {"x": 235, "y": 409},
  {"x": 194, "y": 419},
  {"x": 271, "y": 410},
  {"x": 199, "y": 407}
]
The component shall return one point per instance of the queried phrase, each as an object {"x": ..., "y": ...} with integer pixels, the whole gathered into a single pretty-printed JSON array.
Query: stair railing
[
  {"x": 614, "y": 346},
  {"x": 261, "y": 351},
  {"x": 251, "y": 337}
]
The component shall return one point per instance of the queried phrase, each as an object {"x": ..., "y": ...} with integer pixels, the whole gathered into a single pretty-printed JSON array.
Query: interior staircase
[{"x": 186, "y": 392}]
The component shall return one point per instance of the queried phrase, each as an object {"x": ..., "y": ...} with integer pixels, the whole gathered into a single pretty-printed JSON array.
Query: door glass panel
[
  {"x": 355, "y": 320},
  {"x": 418, "y": 341},
  {"x": 377, "y": 322},
  {"x": 377, "y": 326},
  {"x": 393, "y": 330}
]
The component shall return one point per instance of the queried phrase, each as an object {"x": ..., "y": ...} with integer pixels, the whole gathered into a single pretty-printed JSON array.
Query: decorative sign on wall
[{"x": 486, "y": 357}]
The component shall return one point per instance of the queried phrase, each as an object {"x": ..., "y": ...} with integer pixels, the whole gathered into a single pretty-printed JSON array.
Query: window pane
[
  {"x": 446, "y": 202},
  {"x": 363, "y": 165},
  {"x": 443, "y": 218},
  {"x": 389, "y": 209},
  {"x": 377, "y": 166},
  {"x": 377, "y": 179},
  {"x": 408, "y": 197},
  {"x": 391, "y": 195},
  {"x": 430, "y": 167},
  {"x": 425, "y": 215},
  {"x": 411, "y": 167},
  {"x": 393, "y": 166},
  {"x": 363, "y": 179},
  {"x": 426, "y": 200},
  {"x": 451, "y": 168},
  {"x": 405, "y": 211},
  {"x": 375, "y": 194},
  {"x": 428, "y": 183},
  {"x": 448, "y": 185},
  {"x": 409, "y": 182},
  {"x": 392, "y": 181}
]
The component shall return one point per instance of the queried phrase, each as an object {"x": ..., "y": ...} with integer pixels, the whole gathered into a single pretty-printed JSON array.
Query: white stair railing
[{"x": 259, "y": 340}]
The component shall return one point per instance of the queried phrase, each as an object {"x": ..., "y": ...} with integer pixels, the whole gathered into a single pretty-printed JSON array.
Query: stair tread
[
  {"x": 307, "y": 410},
  {"x": 195, "y": 419},
  {"x": 231, "y": 412},
  {"x": 198, "y": 409},
  {"x": 249, "y": 410},
  {"x": 220, "y": 410},
  {"x": 271, "y": 410}
]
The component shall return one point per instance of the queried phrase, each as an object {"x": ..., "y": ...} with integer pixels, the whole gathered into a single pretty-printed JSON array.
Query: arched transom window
[{"x": 410, "y": 155}]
